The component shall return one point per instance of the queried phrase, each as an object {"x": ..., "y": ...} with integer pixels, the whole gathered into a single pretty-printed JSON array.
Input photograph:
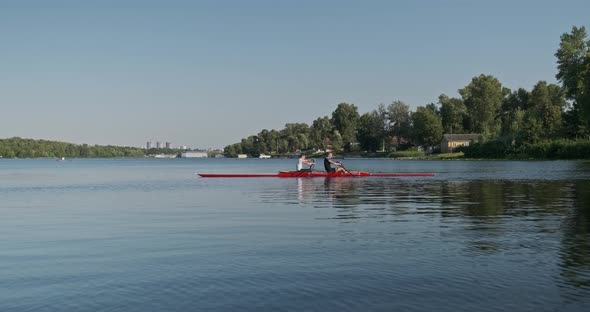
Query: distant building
[
  {"x": 148, "y": 145},
  {"x": 158, "y": 145},
  {"x": 183, "y": 147},
  {"x": 194, "y": 154},
  {"x": 168, "y": 144},
  {"x": 451, "y": 141}
]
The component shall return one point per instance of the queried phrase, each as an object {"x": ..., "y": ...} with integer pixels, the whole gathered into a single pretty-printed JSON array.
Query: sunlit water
[{"x": 148, "y": 235}]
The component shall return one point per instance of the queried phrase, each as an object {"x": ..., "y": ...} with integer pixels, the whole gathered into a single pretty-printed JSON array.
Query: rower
[
  {"x": 303, "y": 161},
  {"x": 328, "y": 162}
]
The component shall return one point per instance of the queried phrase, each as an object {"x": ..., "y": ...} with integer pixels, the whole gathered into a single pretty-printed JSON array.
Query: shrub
[
  {"x": 407, "y": 153},
  {"x": 557, "y": 149}
]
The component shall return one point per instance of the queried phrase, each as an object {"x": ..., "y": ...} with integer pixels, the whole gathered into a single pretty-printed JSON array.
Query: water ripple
[{"x": 118, "y": 242}]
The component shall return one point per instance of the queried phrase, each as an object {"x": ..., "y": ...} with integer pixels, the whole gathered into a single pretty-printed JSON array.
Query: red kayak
[{"x": 314, "y": 174}]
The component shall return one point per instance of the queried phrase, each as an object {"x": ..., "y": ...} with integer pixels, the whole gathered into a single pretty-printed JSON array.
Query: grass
[
  {"x": 407, "y": 154},
  {"x": 446, "y": 156}
]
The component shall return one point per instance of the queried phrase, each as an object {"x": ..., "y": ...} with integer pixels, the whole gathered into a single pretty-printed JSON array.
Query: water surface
[{"x": 148, "y": 235}]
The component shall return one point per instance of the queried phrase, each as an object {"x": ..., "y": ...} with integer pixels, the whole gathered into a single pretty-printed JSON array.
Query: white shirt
[{"x": 300, "y": 164}]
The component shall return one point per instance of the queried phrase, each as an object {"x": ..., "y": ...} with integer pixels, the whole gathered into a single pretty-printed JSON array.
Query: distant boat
[
  {"x": 262, "y": 156},
  {"x": 61, "y": 158},
  {"x": 242, "y": 156}
]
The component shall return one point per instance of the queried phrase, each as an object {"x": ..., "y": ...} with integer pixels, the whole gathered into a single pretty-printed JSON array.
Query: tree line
[
  {"x": 29, "y": 148},
  {"x": 509, "y": 118}
]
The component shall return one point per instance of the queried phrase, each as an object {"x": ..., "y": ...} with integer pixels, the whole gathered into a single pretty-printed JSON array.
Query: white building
[{"x": 194, "y": 154}]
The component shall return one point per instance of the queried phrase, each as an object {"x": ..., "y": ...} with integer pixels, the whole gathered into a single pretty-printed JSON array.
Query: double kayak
[{"x": 312, "y": 174}]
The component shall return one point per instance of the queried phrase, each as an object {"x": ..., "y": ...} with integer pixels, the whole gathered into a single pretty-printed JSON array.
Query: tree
[
  {"x": 264, "y": 141},
  {"x": 336, "y": 140},
  {"x": 553, "y": 114},
  {"x": 573, "y": 124},
  {"x": 427, "y": 127},
  {"x": 370, "y": 133},
  {"x": 532, "y": 128},
  {"x": 399, "y": 118},
  {"x": 515, "y": 126},
  {"x": 483, "y": 98},
  {"x": 512, "y": 113},
  {"x": 374, "y": 131},
  {"x": 274, "y": 138},
  {"x": 573, "y": 65},
  {"x": 248, "y": 146},
  {"x": 321, "y": 132},
  {"x": 433, "y": 108},
  {"x": 452, "y": 112},
  {"x": 84, "y": 150},
  {"x": 546, "y": 103},
  {"x": 346, "y": 119},
  {"x": 296, "y": 135},
  {"x": 232, "y": 150},
  {"x": 18, "y": 147},
  {"x": 515, "y": 100}
]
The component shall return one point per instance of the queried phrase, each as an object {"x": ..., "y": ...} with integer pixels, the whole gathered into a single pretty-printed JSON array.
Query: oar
[
  {"x": 345, "y": 170},
  {"x": 311, "y": 167}
]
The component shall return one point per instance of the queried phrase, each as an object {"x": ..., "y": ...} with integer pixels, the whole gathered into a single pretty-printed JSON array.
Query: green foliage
[
  {"x": 321, "y": 130},
  {"x": 532, "y": 131},
  {"x": 546, "y": 103},
  {"x": 560, "y": 149},
  {"x": 232, "y": 150},
  {"x": 29, "y": 148},
  {"x": 490, "y": 149},
  {"x": 516, "y": 124},
  {"x": 410, "y": 153},
  {"x": 427, "y": 127},
  {"x": 573, "y": 65},
  {"x": 167, "y": 151},
  {"x": 322, "y": 135},
  {"x": 483, "y": 98},
  {"x": 346, "y": 119},
  {"x": 453, "y": 113},
  {"x": 447, "y": 156},
  {"x": 556, "y": 149},
  {"x": 573, "y": 124},
  {"x": 374, "y": 130},
  {"x": 398, "y": 113},
  {"x": 512, "y": 113},
  {"x": 370, "y": 133}
]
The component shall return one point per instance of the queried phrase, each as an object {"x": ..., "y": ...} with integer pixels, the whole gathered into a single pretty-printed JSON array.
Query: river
[{"x": 149, "y": 235}]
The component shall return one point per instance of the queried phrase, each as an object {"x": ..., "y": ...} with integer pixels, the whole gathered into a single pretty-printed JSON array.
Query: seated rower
[
  {"x": 302, "y": 161},
  {"x": 328, "y": 162}
]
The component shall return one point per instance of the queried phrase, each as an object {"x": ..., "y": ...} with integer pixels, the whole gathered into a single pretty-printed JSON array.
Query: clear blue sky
[{"x": 207, "y": 73}]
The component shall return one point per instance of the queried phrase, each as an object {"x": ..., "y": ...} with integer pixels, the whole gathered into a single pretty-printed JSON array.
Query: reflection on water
[
  {"x": 518, "y": 218},
  {"x": 147, "y": 235},
  {"x": 575, "y": 241}
]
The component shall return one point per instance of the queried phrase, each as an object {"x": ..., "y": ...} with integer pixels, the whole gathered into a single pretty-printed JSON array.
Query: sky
[{"x": 207, "y": 73}]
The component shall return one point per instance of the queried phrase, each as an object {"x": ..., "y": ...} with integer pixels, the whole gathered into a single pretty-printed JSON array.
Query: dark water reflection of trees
[
  {"x": 490, "y": 216},
  {"x": 576, "y": 236}
]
